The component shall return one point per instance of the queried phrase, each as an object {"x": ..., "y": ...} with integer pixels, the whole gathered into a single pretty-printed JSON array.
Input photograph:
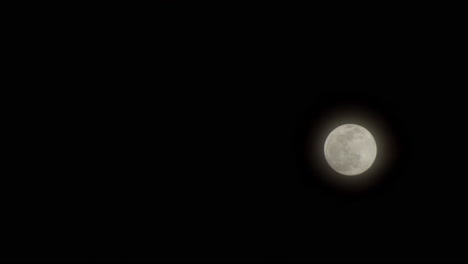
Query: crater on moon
[{"x": 350, "y": 149}]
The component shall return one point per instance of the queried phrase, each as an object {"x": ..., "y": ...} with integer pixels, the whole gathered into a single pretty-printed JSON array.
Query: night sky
[{"x": 190, "y": 143}]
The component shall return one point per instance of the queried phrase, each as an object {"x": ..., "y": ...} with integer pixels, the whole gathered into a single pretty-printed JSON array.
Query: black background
[{"x": 182, "y": 138}]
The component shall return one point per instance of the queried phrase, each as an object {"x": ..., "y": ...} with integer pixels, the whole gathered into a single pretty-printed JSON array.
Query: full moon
[{"x": 350, "y": 149}]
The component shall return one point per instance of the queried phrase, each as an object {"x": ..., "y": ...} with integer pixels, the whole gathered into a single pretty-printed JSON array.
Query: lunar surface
[{"x": 350, "y": 149}]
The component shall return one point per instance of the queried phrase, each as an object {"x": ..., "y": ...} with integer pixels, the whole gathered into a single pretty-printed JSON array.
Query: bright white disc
[{"x": 350, "y": 149}]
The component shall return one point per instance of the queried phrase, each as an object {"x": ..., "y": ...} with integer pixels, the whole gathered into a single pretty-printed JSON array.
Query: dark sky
[{"x": 190, "y": 143}]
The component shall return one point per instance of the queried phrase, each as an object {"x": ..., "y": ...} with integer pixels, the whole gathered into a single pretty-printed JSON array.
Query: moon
[{"x": 350, "y": 149}]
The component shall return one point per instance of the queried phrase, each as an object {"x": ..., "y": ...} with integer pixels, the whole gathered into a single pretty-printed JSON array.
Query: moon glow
[{"x": 350, "y": 149}]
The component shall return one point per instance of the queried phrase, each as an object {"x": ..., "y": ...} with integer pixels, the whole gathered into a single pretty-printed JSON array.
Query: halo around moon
[{"x": 350, "y": 149}]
